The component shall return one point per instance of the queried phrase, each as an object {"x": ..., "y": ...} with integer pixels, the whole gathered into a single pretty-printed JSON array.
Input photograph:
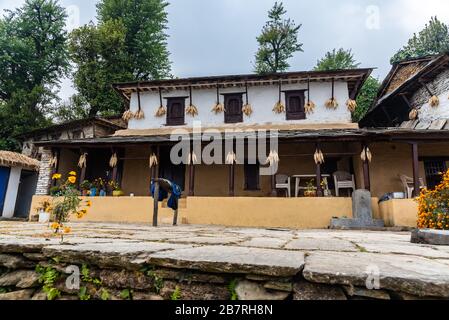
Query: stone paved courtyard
[{"x": 322, "y": 256}]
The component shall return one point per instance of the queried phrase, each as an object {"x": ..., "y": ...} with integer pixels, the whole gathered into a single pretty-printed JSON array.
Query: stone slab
[
  {"x": 428, "y": 236},
  {"x": 247, "y": 290},
  {"x": 410, "y": 274},
  {"x": 231, "y": 259},
  {"x": 329, "y": 244},
  {"x": 356, "y": 223},
  {"x": 312, "y": 291}
]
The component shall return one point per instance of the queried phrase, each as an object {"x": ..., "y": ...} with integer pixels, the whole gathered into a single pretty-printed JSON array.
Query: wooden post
[
  {"x": 366, "y": 177},
  {"x": 175, "y": 218},
  {"x": 231, "y": 180},
  {"x": 155, "y": 202},
  {"x": 191, "y": 172},
  {"x": 319, "y": 188},
  {"x": 191, "y": 179},
  {"x": 56, "y": 153},
  {"x": 273, "y": 185},
  {"x": 415, "y": 163},
  {"x": 83, "y": 169},
  {"x": 114, "y": 169}
]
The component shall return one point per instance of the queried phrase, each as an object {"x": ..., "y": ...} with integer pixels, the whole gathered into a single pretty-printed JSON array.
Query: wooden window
[
  {"x": 176, "y": 111},
  {"x": 295, "y": 105},
  {"x": 252, "y": 177},
  {"x": 433, "y": 168},
  {"x": 233, "y": 108}
]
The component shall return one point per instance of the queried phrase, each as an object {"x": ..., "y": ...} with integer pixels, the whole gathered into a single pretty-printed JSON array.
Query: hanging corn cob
[
  {"x": 318, "y": 157},
  {"x": 191, "y": 110},
  {"x": 113, "y": 161},
  {"x": 231, "y": 158},
  {"x": 413, "y": 115},
  {"x": 139, "y": 114},
  {"x": 332, "y": 102},
  {"x": 82, "y": 160},
  {"x": 161, "y": 111},
  {"x": 53, "y": 162},
  {"x": 352, "y": 105},
  {"x": 192, "y": 158},
  {"x": 247, "y": 109},
  {"x": 127, "y": 115},
  {"x": 434, "y": 101},
  {"x": 366, "y": 155},
  {"x": 273, "y": 158},
  {"x": 279, "y": 107},
  {"x": 218, "y": 107},
  {"x": 152, "y": 161},
  {"x": 310, "y": 106}
]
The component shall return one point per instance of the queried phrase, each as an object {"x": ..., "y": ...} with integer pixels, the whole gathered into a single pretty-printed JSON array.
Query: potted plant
[
  {"x": 116, "y": 190},
  {"x": 310, "y": 189},
  {"x": 44, "y": 210},
  {"x": 85, "y": 187},
  {"x": 66, "y": 203}
]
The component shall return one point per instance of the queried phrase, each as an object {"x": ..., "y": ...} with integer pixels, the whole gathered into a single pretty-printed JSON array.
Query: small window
[
  {"x": 252, "y": 177},
  {"x": 434, "y": 168},
  {"x": 176, "y": 111},
  {"x": 233, "y": 108},
  {"x": 295, "y": 105}
]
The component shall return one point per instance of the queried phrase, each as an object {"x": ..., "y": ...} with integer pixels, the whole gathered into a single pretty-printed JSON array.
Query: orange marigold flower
[
  {"x": 55, "y": 225},
  {"x": 56, "y": 176},
  {"x": 72, "y": 179},
  {"x": 72, "y": 173},
  {"x": 88, "y": 203},
  {"x": 67, "y": 230}
]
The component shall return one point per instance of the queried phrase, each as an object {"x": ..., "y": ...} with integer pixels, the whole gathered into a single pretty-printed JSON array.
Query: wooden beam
[
  {"x": 415, "y": 164},
  {"x": 191, "y": 179},
  {"x": 83, "y": 169}
]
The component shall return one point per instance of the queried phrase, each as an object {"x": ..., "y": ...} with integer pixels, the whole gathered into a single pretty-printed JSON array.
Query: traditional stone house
[
  {"x": 89, "y": 128},
  {"x": 304, "y": 126}
]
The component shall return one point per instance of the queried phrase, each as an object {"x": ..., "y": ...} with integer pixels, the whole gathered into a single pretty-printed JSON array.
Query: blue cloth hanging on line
[{"x": 175, "y": 193}]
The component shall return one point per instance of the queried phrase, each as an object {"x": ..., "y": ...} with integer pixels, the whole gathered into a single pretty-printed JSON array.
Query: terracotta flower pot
[{"x": 310, "y": 193}]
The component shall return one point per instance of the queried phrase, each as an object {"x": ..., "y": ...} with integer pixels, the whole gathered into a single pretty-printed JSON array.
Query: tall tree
[
  {"x": 277, "y": 42},
  {"x": 145, "y": 23},
  {"x": 336, "y": 60},
  {"x": 128, "y": 44},
  {"x": 344, "y": 59},
  {"x": 33, "y": 59},
  {"x": 432, "y": 40}
]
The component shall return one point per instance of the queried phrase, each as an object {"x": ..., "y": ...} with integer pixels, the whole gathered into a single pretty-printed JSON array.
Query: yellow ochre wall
[
  {"x": 296, "y": 213},
  {"x": 399, "y": 212}
]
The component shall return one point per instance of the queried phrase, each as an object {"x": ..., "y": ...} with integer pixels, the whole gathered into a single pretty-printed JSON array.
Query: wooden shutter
[
  {"x": 233, "y": 108},
  {"x": 295, "y": 105},
  {"x": 176, "y": 111},
  {"x": 252, "y": 177}
]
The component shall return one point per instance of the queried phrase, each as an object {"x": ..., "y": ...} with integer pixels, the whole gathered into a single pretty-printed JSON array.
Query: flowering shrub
[
  {"x": 433, "y": 206},
  {"x": 66, "y": 203}
]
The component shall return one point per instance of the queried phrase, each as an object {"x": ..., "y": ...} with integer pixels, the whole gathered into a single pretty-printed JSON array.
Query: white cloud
[
  {"x": 412, "y": 15},
  {"x": 10, "y": 4}
]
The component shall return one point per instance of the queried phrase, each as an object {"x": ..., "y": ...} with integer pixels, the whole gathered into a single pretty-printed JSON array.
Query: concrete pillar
[
  {"x": 11, "y": 192},
  {"x": 45, "y": 170}
]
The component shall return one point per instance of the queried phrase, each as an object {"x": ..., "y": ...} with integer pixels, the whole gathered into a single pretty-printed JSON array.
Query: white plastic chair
[
  {"x": 408, "y": 185},
  {"x": 283, "y": 182},
  {"x": 343, "y": 180}
]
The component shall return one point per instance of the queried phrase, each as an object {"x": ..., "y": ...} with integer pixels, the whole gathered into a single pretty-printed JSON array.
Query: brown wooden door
[
  {"x": 233, "y": 108},
  {"x": 176, "y": 111},
  {"x": 295, "y": 105}
]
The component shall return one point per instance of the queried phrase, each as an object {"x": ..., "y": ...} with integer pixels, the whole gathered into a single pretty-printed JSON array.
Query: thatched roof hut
[{"x": 13, "y": 159}]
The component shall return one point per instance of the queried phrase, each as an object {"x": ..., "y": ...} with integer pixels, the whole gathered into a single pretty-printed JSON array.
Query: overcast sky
[{"x": 215, "y": 37}]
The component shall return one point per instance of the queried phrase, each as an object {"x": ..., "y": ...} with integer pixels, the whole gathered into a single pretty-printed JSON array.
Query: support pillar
[
  {"x": 415, "y": 163},
  {"x": 83, "y": 169},
  {"x": 366, "y": 176},
  {"x": 319, "y": 188}
]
